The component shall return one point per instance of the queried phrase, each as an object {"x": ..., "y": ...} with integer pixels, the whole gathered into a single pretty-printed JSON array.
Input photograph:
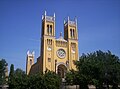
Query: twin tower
[{"x": 57, "y": 55}]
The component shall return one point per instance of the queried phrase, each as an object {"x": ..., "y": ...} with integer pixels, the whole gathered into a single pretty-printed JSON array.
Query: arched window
[
  {"x": 51, "y": 42},
  {"x": 71, "y": 33},
  {"x": 49, "y": 59},
  {"x": 51, "y": 29},
  {"x": 47, "y": 41},
  {"x": 48, "y": 29},
  {"x": 30, "y": 61}
]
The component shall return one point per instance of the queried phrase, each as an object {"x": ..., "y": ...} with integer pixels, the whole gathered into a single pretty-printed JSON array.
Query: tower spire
[
  {"x": 60, "y": 34},
  {"x": 68, "y": 18},
  {"x": 45, "y": 13},
  {"x": 54, "y": 15},
  {"x": 76, "y": 20},
  {"x": 64, "y": 21}
]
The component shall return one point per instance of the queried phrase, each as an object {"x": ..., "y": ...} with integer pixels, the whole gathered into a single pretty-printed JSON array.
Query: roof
[{"x": 61, "y": 38}]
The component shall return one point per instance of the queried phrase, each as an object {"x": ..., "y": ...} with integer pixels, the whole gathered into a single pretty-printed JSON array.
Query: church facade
[{"x": 56, "y": 55}]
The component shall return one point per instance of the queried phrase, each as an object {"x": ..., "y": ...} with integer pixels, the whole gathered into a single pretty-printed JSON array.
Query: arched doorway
[{"x": 61, "y": 70}]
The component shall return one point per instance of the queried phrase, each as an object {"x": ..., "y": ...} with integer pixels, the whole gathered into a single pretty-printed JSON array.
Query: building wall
[{"x": 56, "y": 51}]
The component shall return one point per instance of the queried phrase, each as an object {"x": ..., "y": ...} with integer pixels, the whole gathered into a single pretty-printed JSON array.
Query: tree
[
  {"x": 37, "y": 79},
  {"x": 17, "y": 79},
  {"x": 112, "y": 70},
  {"x": 11, "y": 77},
  {"x": 52, "y": 80},
  {"x": 98, "y": 68},
  {"x": 49, "y": 80},
  {"x": 20, "y": 79},
  {"x": 3, "y": 65}
]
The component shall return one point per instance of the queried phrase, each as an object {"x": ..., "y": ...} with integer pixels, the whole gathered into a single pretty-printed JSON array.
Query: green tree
[
  {"x": 49, "y": 80},
  {"x": 11, "y": 77},
  {"x": 52, "y": 80},
  {"x": 37, "y": 79},
  {"x": 3, "y": 65},
  {"x": 72, "y": 78},
  {"x": 17, "y": 79},
  {"x": 111, "y": 70},
  {"x": 98, "y": 68},
  {"x": 20, "y": 79}
]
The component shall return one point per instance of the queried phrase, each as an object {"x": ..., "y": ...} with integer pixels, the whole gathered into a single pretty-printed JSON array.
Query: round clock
[
  {"x": 61, "y": 53},
  {"x": 49, "y": 48},
  {"x": 73, "y": 51}
]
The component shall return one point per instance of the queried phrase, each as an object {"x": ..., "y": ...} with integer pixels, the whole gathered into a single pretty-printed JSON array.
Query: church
[{"x": 58, "y": 55}]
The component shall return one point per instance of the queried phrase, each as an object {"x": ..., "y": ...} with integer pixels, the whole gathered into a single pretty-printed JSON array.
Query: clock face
[
  {"x": 73, "y": 51},
  {"x": 61, "y": 53},
  {"x": 49, "y": 48}
]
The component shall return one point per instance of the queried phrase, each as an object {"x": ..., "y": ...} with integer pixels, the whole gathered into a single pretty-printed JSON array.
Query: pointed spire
[
  {"x": 33, "y": 53},
  {"x": 60, "y": 34},
  {"x": 42, "y": 17},
  {"x": 76, "y": 20},
  {"x": 28, "y": 52},
  {"x": 64, "y": 21},
  {"x": 68, "y": 18},
  {"x": 45, "y": 13},
  {"x": 54, "y": 14}
]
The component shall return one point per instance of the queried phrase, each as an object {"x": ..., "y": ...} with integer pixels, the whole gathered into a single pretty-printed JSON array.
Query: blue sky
[{"x": 20, "y": 26}]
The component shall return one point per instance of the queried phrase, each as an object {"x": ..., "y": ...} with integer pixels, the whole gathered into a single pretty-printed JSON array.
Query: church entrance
[{"x": 62, "y": 70}]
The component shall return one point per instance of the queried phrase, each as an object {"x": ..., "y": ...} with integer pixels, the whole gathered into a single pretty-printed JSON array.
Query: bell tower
[
  {"x": 48, "y": 42},
  {"x": 29, "y": 61},
  {"x": 70, "y": 30},
  {"x": 71, "y": 35},
  {"x": 48, "y": 25}
]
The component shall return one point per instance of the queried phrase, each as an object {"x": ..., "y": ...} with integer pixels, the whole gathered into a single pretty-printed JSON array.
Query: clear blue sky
[{"x": 20, "y": 26}]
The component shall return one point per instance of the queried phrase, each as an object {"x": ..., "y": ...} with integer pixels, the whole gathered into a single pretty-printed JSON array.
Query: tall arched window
[
  {"x": 71, "y": 33},
  {"x": 48, "y": 29},
  {"x": 30, "y": 61},
  {"x": 51, "y": 29}
]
